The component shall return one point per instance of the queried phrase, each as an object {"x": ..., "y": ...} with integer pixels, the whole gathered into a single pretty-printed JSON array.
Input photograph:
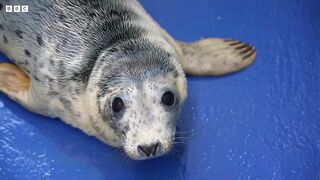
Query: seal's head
[{"x": 141, "y": 90}]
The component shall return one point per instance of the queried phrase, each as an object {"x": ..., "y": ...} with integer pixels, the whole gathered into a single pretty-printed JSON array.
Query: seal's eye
[
  {"x": 168, "y": 98},
  {"x": 117, "y": 105}
]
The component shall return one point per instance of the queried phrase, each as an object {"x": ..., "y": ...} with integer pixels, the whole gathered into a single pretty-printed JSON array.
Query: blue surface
[{"x": 260, "y": 123}]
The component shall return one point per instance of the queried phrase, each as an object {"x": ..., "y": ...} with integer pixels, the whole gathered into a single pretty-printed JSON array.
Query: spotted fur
[{"x": 81, "y": 54}]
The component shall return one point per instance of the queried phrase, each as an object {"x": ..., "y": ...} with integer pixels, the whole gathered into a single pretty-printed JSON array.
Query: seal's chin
[{"x": 142, "y": 157}]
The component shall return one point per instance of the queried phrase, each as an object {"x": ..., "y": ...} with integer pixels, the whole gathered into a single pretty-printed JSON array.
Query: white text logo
[{"x": 17, "y": 8}]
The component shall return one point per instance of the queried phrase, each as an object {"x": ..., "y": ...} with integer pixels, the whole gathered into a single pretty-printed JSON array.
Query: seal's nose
[{"x": 148, "y": 149}]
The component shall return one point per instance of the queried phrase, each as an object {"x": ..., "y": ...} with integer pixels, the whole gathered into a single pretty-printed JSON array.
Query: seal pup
[{"x": 107, "y": 68}]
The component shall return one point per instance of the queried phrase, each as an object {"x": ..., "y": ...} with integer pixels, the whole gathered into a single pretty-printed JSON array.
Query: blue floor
[{"x": 260, "y": 123}]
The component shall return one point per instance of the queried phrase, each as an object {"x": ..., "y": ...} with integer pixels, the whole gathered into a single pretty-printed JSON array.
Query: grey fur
[
  {"x": 82, "y": 54},
  {"x": 71, "y": 48}
]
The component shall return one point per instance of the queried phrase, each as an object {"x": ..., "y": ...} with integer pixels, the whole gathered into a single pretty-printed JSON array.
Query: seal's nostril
[
  {"x": 149, "y": 149},
  {"x": 154, "y": 148}
]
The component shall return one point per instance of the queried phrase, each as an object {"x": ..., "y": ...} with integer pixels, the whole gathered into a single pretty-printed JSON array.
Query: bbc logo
[{"x": 17, "y": 8}]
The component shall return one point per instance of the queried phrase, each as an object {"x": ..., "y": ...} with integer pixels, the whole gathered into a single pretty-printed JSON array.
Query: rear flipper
[
  {"x": 212, "y": 56},
  {"x": 14, "y": 83},
  {"x": 215, "y": 56}
]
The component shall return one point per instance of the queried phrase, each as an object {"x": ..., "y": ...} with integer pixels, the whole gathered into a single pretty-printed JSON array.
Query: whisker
[
  {"x": 182, "y": 137},
  {"x": 115, "y": 151},
  {"x": 123, "y": 157},
  {"x": 185, "y": 132}
]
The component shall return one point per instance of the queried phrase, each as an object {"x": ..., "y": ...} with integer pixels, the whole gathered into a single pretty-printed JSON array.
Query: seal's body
[{"x": 107, "y": 68}]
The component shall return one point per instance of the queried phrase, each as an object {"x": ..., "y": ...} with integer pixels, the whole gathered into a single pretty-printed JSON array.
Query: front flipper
[
  {"x": 14, "y": 83},
  {"x": 214, "y": 56}
]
